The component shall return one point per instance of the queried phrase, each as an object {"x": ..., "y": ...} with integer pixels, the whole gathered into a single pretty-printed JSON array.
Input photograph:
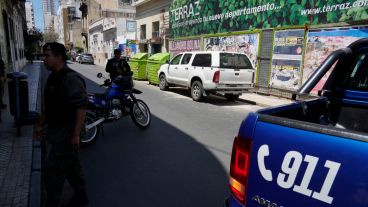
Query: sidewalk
[
  {"x": 264, "y": 100},
  {"x": 20, "y": 177}
]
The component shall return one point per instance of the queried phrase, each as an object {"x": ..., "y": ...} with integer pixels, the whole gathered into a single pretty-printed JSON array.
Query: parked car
[
  {"x": 77, "y": 57},
  {"x": 86, "y": 58},
  {"x": 74, "y": 56},
  {"x": 226, "y": 73}
]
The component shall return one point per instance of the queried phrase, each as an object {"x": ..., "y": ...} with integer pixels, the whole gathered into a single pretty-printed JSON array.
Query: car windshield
[
  {"x": 236, "y": 61},
  {"x": 88, "y": 55}
]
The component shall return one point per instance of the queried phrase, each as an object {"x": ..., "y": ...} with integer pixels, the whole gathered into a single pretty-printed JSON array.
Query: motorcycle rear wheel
[
  {"x": 140, "y": 114},
  {"x": 89, "y": 136}
]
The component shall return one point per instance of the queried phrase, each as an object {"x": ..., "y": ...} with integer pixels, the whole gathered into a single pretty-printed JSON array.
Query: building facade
[
  {"x": 109, "y": 27},
  {"x": 49, "y": 14},
  {"x": 29, "y": 15},
  {"x": 49, "y": 6},
  {"x": 12, "y": 25},
  {"x": 71, "y": 18},
  {"x": 152, "y": 25},
  {"x": 285, "y": 42}
]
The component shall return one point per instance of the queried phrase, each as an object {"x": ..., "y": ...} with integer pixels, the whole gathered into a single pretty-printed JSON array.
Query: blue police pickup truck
[{"x": 312, "y": 153}]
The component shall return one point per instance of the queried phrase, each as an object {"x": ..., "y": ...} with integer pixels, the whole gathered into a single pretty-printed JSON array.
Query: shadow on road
[
  {"x": 211, "y": 99},
  {"x": 159, "y": 166}
]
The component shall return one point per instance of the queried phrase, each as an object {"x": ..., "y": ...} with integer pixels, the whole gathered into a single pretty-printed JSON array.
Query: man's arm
[
  {"x": 75, "y": 91},
  {"x": 80, "y": 116}
]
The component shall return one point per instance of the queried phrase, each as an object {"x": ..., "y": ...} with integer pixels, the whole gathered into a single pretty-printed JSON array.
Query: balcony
[
  {"x": 155, "y": 34},
  {"x": 155, "y": 40}
]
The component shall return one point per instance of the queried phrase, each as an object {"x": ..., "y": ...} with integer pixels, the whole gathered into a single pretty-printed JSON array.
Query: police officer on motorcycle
[{"x": 117, "y": 66}]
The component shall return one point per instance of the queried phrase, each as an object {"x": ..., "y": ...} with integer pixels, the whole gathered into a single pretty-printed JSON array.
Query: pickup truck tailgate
[
  {"x": 311, "y": 170},
  {"x": 236, "y": 76}
]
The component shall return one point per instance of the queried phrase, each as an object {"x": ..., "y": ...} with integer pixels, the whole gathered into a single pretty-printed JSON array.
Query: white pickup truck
[{"x": 225, "y": 73}]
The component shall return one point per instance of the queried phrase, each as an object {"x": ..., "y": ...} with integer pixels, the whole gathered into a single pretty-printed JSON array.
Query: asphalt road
[{"x": 182, "y": 160}]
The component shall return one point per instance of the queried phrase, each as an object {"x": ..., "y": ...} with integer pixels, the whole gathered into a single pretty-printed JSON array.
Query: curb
[{"x": 35, "y": 190}]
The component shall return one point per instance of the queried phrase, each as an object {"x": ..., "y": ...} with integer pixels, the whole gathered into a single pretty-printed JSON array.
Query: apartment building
[
  {"x": 29, "y": 14},
  {"x": 109, "y": 27},
  {"x": 152, "y": 25}
]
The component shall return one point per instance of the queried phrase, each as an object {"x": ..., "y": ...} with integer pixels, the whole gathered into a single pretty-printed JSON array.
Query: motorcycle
[{"x": 117, "y": 101}]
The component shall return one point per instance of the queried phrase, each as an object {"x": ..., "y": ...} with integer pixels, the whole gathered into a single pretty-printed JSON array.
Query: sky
[{"x": 38, "y": 13}]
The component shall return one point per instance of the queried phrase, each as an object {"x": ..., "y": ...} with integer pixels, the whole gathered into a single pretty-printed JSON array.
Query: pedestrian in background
[
  {"x": 2, "y": 82},
  {"x": 65, "y": 100},
  {"x": 117, "y": 65}
]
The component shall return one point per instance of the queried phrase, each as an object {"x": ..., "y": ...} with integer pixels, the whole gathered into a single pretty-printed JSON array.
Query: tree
[
  {"x": 34, "y": 34},
  {"x": 50, "y": 35},
  {"x": 33, "y": 38}
]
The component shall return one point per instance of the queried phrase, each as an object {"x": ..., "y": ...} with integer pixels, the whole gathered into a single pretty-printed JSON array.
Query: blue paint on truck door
[{"x": 312, "y": 169}]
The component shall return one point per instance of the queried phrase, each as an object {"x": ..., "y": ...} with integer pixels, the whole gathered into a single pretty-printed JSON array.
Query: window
[
  {"x": 202, "y": 60},
  {"x": 155, "y": 29},
  {"x": 357, "y": 78},
  {"x": 143, "y": 32},
  {"x": 186, "y": 59},
  {"x": 236, "y": 61},
  {"x": 176, "y": 60}
]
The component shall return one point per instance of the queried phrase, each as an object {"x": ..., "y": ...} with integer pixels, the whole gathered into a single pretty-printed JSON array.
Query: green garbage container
[
  {"x": 153, "y": 65},
  {"x": 138, "y": 65}
]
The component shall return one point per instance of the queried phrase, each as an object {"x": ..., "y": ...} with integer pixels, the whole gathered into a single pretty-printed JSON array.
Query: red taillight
[
  {"x": 239, "y": 168},
  {"x": 216, "y": 77}
]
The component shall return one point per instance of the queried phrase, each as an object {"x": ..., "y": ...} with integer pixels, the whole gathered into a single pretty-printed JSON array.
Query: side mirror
[{"x": 99, "y": 75}]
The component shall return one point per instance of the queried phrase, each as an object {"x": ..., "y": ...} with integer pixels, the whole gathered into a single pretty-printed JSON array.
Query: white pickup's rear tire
[{"x": 196, "y": 91}]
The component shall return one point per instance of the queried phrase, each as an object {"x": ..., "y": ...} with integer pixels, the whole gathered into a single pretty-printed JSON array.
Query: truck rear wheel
[{"x": 196, "y": 91}]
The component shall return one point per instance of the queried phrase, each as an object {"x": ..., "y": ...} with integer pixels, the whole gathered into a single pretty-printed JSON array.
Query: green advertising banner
[{"x": 196, "y": 17}]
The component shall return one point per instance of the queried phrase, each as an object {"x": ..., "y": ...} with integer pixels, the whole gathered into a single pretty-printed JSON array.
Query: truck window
[
  {"x": 238, "y": 61},
  {"x": 202, "y": 60},
  {"x": 176, "y": 60},
  {"x": 186, "y": 59},
  {"x": 357, "y": 78}
]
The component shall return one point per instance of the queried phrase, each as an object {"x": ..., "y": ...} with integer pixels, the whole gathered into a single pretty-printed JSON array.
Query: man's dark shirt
[
  {"x": 114, "y": 64},
  {"x": 65, "y": 92}
]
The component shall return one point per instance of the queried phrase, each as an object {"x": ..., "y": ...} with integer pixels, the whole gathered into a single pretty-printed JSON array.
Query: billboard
[
  {"x": 196, "y": 17},
  {"x": 131, "y": 26},
  {"x": 321, "y": 43},
  {"x": 287, "y": 59},
  {"x": 245, "y": 43},
  {"x": 177, "y": 46}
]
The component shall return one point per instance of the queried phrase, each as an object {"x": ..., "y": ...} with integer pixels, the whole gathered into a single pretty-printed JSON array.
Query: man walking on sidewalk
[{"x": 65, "y": 102}]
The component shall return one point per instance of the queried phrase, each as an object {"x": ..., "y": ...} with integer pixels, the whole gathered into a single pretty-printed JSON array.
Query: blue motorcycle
[{"x": 117, "y": 101}]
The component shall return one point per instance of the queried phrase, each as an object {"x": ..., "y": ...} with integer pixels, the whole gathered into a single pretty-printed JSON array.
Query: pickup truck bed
[{"x": 310, "y": 153}]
